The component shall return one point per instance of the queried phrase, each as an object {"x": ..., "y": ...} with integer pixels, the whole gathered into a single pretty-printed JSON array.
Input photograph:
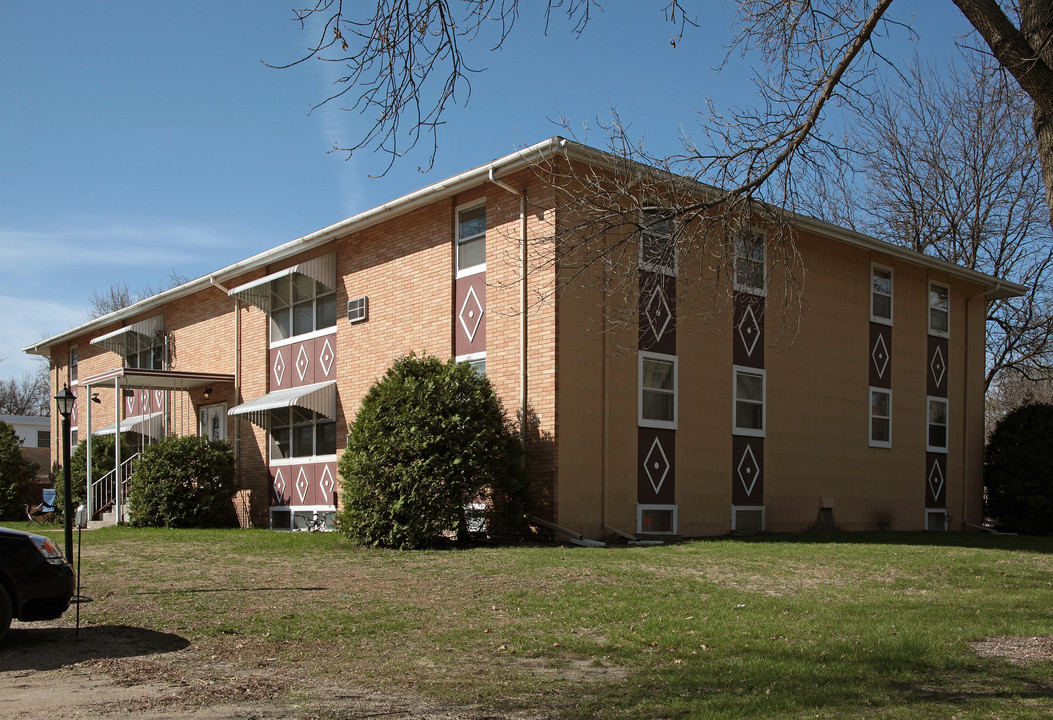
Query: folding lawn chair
[{"x": 44, "y": 513}]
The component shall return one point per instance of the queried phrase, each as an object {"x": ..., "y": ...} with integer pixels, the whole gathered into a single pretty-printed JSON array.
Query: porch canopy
[
  {"x": 320, "y": 397},
  {"x": 144, "y": 379},
  {"x": 258, "y": 292},
  {"x": 117, "y": 341}
]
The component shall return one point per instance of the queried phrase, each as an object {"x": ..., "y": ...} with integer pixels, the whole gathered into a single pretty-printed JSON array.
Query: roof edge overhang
[
  {"x": 513, "y": 162},
  {"x": 140, "y": 378}
]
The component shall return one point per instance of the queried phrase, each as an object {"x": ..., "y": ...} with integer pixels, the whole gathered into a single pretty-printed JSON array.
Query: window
[
  {"x": 656, "y": 519},
  {"x": 936, "y": 436},
  {"x": 881, "y": 294},
  {"x": 471, "y": 240},
  {"x": 657, "y": 390},
  {"x": 300, "y": 305},
  {"x": 297, "y": 432},
  {"x": 43, "y": 438},
  {"x": 657, "y": 243},
  {"x": 144, "y": 351},
  {"x": 880, "y": 417},
  {"x": 750, "y": 271},
  {"x": 477, "y": 361},
  {"x": 747, "y": 519},
  {"x": 936, "y": 520},
  {"x": 939, "y": 309},
  {"x": 72, "y": 365},
  {"x": 749, "y": 402}
]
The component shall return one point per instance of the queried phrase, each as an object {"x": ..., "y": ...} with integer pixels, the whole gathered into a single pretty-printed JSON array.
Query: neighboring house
[
  {"x": 872, "y": 418},
  {"x": 34, "y": 434}
]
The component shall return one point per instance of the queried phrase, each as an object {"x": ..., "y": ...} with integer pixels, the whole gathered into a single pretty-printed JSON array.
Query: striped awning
[
  {"x": 151, "y": 425},
  {"x": 320, "y": 397},
  {"x": 117, "y": 341},
  {"x": 258, "y": 292}
]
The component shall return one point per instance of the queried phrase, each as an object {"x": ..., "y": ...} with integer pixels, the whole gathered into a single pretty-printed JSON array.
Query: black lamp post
[{"x": 65, "y": 400}]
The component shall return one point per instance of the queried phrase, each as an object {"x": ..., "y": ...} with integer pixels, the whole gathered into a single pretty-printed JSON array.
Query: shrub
[
  {"x": 183, "y": 482},
  {"x": 430, "y": 438},
  {"x": 1018, "y": 471},
  {"x": 15, "y": 472}
]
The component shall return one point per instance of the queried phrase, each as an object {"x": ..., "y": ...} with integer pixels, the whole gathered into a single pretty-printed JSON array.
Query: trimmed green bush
[
  {"x": 430, "y": 440},
  {"x": 183, "y": 482},
  {"x": 1018, "y": 471},
  {"x": 15, "y": 472}
]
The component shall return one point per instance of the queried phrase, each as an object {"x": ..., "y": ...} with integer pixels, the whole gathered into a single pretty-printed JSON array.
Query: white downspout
[
  {"x": 522, "y": 303},
  {"x": 117, "y": 450},
  {"x": 965, "y": 410},
  {"x": 87, "y": 501}
]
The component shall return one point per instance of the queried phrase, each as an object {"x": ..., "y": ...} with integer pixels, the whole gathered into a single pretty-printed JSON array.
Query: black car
[{"x": 36, "y": 582}]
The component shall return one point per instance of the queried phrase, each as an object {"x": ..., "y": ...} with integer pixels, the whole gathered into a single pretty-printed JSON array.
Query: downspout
[
  {"x": 522, "y": 303},
  {"x": 87, "y": 440},
  {"x": 237, "y": 378},
  {"x": 965, "y": 413},
  {"x": 117, "y": 450}
]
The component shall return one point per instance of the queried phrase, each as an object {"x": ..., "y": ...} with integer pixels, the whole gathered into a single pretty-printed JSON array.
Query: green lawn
[{"x": 834, "y": 626}]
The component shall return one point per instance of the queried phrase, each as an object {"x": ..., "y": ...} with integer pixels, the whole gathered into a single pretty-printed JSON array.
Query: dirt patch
[
  {"x": 47, "y": 672},
  {"x": 1016, "y": 649}
]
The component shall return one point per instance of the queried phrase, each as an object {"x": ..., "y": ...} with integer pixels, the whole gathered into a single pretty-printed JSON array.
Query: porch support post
[
  {"x": 87, "y": 492},
  {"x": 117, "y": 449}
]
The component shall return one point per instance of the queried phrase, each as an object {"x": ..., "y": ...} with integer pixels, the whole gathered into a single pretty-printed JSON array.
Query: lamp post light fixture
[{"x": 65, "y": 400}]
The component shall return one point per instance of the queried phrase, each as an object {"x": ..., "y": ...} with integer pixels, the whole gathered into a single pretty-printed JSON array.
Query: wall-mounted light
[
  {"x": 207, "y": 394},
  {"x": 95, "y": 398}
]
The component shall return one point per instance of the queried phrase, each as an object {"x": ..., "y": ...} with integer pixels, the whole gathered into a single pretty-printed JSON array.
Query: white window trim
[
  {"x": 474, "y": 269},
  {"x": 639, "y": 519},
  {"x": 304, "y": 460},
  {"x": 928, "y": 309},
  {"x": 750, "y": 432},
  {"x": 670, "y": 270},
  {"x": 641, "y": 421},
  {"x": 935, "y": 511},
  {"x": 763, "y": 512},
  {"x": 870, "y": 415},
  {"x": 891, "y": 296},
  {"x": 302, "y": 338},
  {"x": 929, "y": 399},
  {"x": 759, "y": 291}
]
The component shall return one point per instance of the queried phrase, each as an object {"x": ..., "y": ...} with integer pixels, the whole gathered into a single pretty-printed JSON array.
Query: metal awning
[
  {"x": 117, "y": 341},
  {"x": 258, "y": 292},
  {"x": 151, "y": 424},
  {"x": 141, "y": 378},
  {"x": 320, "y": 397}
]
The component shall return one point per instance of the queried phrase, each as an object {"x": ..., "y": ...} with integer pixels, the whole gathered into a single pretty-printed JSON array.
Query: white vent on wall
[{"x": 358, "y": 309}]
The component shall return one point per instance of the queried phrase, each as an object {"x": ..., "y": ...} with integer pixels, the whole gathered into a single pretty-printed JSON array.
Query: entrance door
[{"x": 214, "y": 422}]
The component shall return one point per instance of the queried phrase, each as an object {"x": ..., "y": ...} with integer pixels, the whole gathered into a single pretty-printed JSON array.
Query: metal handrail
[{"x": 104, "y": 490}]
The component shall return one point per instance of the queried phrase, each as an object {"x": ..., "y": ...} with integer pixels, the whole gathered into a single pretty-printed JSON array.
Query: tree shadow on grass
[{"x": 33, "y": 646}]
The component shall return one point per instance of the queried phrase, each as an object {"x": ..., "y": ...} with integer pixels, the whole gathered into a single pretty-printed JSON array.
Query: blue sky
[{"x": 141, "y": 138}]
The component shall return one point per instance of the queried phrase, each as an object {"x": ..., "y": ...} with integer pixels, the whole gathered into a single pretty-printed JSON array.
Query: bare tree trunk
[{"x": 1027, "y": 54}]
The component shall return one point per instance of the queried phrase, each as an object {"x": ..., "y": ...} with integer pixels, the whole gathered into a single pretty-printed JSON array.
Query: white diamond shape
[
  {"x": 303, "y": 362},
  {"x": 936, "y": 479},
  {"x": 326, "y": 482},
  {"x": 880, "y": 356},
  {"x": 748, "y": 470},
  {"x": 129, "y": 405},
  {"x": 749, "y": 330},
  {"x": 471, "y": 316},
  {"x": 302, "y": 485},
  {"x": 279, "y": 368},
  {"x": 279, "y": 485},
  {"x": 326, "y": 357},
  {"x": 159, "y": 397},
  {"x": 656, "y": 465},
  {"x": 658, "y": 313},
  {"x": 937, "y": 366}
]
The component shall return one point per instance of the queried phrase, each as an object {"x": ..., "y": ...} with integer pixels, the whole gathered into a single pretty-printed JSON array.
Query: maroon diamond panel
[
  {"x": 747, "y": 475},
  {"x": 469, "y": 315},
  {"x": 303, "y": 363},
  {"x": 749, "y": 330},
  {"x": 936, "y": 370},
  {"x": 302, "y": 484},
  {"x": 657, "y": 465},
  {"x": 657, "y": 313},
  {"x": 880, "y": 355},
  {"x": 935, "y": 480}
]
